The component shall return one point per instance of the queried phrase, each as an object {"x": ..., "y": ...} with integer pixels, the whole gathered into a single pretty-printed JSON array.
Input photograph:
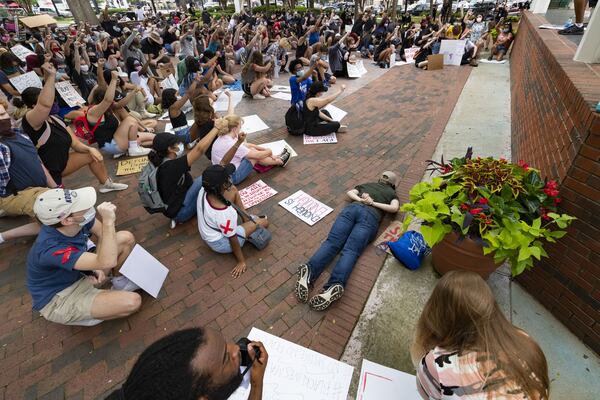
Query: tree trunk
[
  {"x": 393, "y": 13},
  {"x": 311, "y": 3},
  {"x": 82, "y": 11}
]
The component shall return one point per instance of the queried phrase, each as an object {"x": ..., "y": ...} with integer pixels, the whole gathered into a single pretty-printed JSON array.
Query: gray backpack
[{"x": 148, "y": 190}]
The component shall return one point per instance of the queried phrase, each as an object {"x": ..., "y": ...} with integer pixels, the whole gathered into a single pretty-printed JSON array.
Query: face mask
[
  {"x": 300, "y": 73},
  {"x": 479, "y": 19},
  {"x": 189, "y": 38},
  {"x": 5, "y": 125},
  {"x": 138, "y": 68},
  {"x": 84, "y": 68},
  {"x": 180, "y": 149},
  {"x": 10, "y": 70},
  {"x": 505, "y": 30},
  {"x": 88, "y": 217}
]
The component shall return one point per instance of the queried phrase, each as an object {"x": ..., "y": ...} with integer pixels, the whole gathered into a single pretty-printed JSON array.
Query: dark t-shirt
[
  {"x": 150, "y": 47},
  {"x": 171, "y": 186},
  {"x": 379, "y": 192},
  {"x": 84, "y": 81},
  {"x": 55, "y": 152},
  {"x": 203, "y": 130},
  {"x": 169, "y": 37}
]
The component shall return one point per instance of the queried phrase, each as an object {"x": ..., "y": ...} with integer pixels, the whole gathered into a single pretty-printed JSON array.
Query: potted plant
[{"x": 480, "y": 212}]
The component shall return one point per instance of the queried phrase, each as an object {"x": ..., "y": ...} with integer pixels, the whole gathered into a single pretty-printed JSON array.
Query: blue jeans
[
  {"x": 352, "y": 231},
  {"x": 223, "y": 245},
  {"x": 188, "y": 209},
  {"x": 242, "y": 171}
]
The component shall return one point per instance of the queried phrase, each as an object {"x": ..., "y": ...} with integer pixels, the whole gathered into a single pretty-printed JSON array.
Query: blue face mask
[{"x": 10, "y": 70}]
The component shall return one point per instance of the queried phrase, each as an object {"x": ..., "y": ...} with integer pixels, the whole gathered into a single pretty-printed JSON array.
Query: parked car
[{"x": 420, "y": 9}]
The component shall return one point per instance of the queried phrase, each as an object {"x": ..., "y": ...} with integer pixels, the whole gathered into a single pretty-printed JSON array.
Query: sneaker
[
  {"x": 173, "y": 224},
  {"x": 572, "y": 30},
  {"x": 147, "y": 115},
  {"x": 301, "y": 288},
  {"x": 118, "y": 155},
  {"x": 85, "y": 322},
  {"x": 138, "y": 151},
  {"x": 285, "y": 157},
  {"x": 124, "y": 284},
  {"x": 323, "y": 300},
  {"x": 110, "y": 186},
  {"x": 258, "y": 97}
]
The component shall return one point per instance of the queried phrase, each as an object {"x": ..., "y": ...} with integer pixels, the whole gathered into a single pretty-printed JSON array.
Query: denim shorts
[
  {"x": 242, "y": 171},
  {"x": 112, "y": 148},
  {"x": 223, "y": 246},
  {"x": 183, "y": 134}
]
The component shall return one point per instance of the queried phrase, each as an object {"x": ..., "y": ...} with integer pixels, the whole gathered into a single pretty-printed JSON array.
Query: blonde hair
[
  {"x": 232, "y": 122},
  {"x": 463, "y": 316}
]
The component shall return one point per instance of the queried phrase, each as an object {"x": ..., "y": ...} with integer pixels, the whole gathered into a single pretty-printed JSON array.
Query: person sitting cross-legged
[
  {"x": 62, "y": 274},
  {"x": 352, "y": 231}
]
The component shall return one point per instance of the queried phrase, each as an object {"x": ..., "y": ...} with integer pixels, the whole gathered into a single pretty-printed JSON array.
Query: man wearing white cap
[
  {"x": 352, "y": 231},
  {"x": 62, "y": 275}
]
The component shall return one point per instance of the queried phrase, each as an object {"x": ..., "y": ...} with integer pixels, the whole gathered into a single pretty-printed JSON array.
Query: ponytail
[
  {"x": 157, "y": 157},
  {"x": 20, "y": 108}
]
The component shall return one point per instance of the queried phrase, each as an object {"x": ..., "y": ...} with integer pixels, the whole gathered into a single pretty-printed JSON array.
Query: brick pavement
[{"x": 395, "y": 122}]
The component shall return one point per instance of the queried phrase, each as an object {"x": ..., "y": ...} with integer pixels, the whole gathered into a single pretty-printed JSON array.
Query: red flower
[
  {"x": 476, "y": 211},
  {"x": 551, "y": 192},
  {"x": 551, "y": 184},
  {"x": 483, "y": 200},
  {"x": 446, "y": 169},
  {"x": 545, "y": 217},
  {"x": 523, "y": 165},
  {"x": 557, "y": 200},
  {"x": 482, "y": 215},
  {"x": 464, "y": 206},
  {"x": 487, "y": 221}
]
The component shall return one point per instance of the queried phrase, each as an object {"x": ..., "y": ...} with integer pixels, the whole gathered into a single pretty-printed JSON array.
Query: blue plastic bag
[{"x": 410, "y": 249}]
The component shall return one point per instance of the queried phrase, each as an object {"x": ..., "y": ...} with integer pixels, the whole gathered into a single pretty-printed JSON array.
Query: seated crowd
[{"x": 126, "y": 75}]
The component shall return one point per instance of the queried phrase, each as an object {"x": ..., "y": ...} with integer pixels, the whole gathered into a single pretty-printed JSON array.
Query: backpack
[
  {"x": 83, "y": 130},
  {"x": 148, "y": 190},
  {"x": 294, "y": 121}
]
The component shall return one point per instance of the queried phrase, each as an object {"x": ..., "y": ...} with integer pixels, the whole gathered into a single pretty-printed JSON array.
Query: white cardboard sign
[
  {"x": 24, "y": 81},
  {"x": 278, "y": 146},
  {"x": 281, "y": 88},
  {"x": 253, "y": 123},
  {"x": 169, "y": 83},
  {"x": 144, "y": 270},
  {"x": 453, "y": 51},
  {"x": 69, "y": 94},
  {"x": 297, "y": 373},
  {"x": 378, "y": 382},
  {"x": 21, "y": 52},
  {"x": 353, "y": 70},
  {"x": 282, "y": 96},
  {"x": 305, "y": 207},
  {"x": 256, "y": 194},
  {"x": 331, "y": 138},
  {"x": 337, "y": 114},
  {"x": 409, "y": 54},
  {"x": 222, "y": 103}
]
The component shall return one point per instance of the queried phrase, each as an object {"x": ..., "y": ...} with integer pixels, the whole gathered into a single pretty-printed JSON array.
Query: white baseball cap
[
  {"x": 389, "y": 177},
  {"x": 55, "y": 204}
]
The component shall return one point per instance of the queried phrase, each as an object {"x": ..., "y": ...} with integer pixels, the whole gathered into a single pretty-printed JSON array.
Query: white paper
[
  {"x": 169, "y": 126},
  {"x": 361, "y": 67},
  {"x": 453, "y": 51},
  {"x": 69, "y": 94},
  {"x": 256, "y": 194},
  {"x": 281, "y": 88},
  {"x": 297, "y": 373},
  {"x": 21, "y": 52},
  {"x": 331, "y": 138},
  {"x": 392, "y": 59},
  {"x": 144, "y": 270},
  {"x": 492, "y": 61},
  {"x": 278, "y": 146},
  {"x": 353, "y": 71},
  {"x": 337, "y": 114},
  {"x": 169, "y": 83},
  {"x": 409, "y": 54},
  {"x": 24, "y": 81},
  {"x": 222, "y": 103},
  {"x": 378, "y": 383},
  {"x": 305, "y": 207},
  {"x": 253, "y": 123},
  {"x": 400, "y": 63},
  {"x": 282, "y": 96}
]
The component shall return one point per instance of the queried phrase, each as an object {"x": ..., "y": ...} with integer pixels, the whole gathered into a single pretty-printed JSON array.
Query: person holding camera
[{"x": 195, "y": 363}]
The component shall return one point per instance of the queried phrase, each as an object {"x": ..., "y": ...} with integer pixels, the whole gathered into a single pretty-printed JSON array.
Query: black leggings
[{"x": 323, "y": 128}]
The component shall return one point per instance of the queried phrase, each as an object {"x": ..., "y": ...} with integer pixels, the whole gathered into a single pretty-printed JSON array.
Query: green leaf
[
  {"x": 537, "y": 223},
  {"x": 437, "y": 182},
  {"x": 557, "y": 234},
  {"x": 524, "y": 253},
  {"x": 418, "y": 190},
  {"x": 536, "y": 252},
  {"x": 435, "y": 233}
]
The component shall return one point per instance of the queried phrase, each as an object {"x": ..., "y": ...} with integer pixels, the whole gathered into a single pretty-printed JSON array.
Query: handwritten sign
[
  {"x": 296, "y": 373},
  {"x": 331, "y": 138},
  {"x": 21, "y": 52},
  {"x": 409, "y": 54},
  {"x": 305, "y": 207},
  {"x": 222, "y": 103},
  {"x": 256, "y": 194},
  {"x": 131, "y": 166},
  {"x": 390, "y": 234},
  {"x": 24, "y": 81},
  {"x": 378, "y": 382},
  {"x": 278, "y": 146},
  {"x": 337, "y": 114},
  {"x": 169, "y": 83},
  {"x": 453, "y": 51},
  {"x": 281, "y": 88},
  {"x": 253, "y": 123},
  {"x": 69, "y": 94},
  {"x": 356, "y": 70}
]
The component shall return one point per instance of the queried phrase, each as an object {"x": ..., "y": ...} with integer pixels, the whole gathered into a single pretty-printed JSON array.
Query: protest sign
[
  {"x": 144, "y": 270},
  {"x": 131, "y": 166},
  {"x": 378, "y": 382},
  {"x": 305, "y": 207},
  {"x": 21, "y": 52},
  {"x": 253, "y": 123},
  {"x": 38, "y": 20},
  {"x": 165, "y": 70},
  {"x": 24, "y": 81},
  {"x": 331, "y": 138},
  {"x": 256, "y": 193},
  {"x": 281, "y": 88},
  {"x": 169, "y": 83},
  {"x": 295, "y": 372},
  {"x": 282, "y": 96},
  {"x": 390, "y": 234},
  {"x": 337, "y": 114},
  {"x": 453, "y": 51},
  {"x": 409, "y": 54},
  {"x": 361, "y": 67},
  {"x": 69, "y": 94},
  {"x": 435, "y": 61},
  {"x": 222, "y": 103},
  {"x": 278, "y": 146}
]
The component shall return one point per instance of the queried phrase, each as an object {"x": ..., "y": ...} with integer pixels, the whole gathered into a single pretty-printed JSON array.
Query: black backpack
[{"x": 294, "y": 121}]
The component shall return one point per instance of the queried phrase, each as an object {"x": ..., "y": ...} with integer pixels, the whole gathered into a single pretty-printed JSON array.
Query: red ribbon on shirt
[{"x": 66, "y": 253}]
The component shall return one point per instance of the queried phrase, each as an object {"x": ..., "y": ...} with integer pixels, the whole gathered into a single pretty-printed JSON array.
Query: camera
[{"x": 246, "y": 358}]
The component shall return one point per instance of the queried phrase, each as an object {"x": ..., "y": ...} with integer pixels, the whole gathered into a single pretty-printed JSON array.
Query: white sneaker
[
  {"x": 85, "y": 322},
  {"x": 147, "y": 115},
  {"x": 110, "y": 186},
  {"x": 2, "y": 213},
  {"x": 122, "y": 283},
  {"x": 138, "y": 151},
  {"x": 119, "y": 155},
  {"x": 192, "y": 144},
  {"x": 258, "y": 97},
  {"x": 173, "y": 224}
]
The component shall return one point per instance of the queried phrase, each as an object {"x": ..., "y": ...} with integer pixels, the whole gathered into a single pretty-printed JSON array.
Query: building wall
[{"x": 555, "y": 129}]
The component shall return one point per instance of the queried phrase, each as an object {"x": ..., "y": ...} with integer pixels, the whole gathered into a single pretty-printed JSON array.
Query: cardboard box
[{"x": 435, "y": 61}]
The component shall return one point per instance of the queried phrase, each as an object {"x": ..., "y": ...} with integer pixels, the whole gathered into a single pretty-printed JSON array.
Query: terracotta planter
[{"x": 453, "y": 254}]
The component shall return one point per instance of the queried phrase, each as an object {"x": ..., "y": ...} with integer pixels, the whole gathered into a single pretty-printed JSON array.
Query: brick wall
[{"x": 555, "y": 129}]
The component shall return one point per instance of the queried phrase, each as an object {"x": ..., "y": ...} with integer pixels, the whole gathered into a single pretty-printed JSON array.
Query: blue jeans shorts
[
  {"x": 223, "y": 246},
  {"x": 112, "y": 148},
  {"x": 242, "y": 171}
]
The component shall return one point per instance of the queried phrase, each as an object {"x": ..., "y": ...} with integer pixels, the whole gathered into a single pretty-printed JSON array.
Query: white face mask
[
  {"x": 88, "y": 217},
  {"x": 84, "y": 68},
  {"x": 300, "y": 73},
  {"x": 180, "y": 149}
]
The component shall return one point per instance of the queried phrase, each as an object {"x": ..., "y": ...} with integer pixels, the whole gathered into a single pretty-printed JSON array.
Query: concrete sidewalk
[{"x": 385, "y": 330}]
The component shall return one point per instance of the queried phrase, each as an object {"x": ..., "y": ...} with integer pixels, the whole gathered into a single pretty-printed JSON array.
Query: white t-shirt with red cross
[{"x": 215, "y": 223}]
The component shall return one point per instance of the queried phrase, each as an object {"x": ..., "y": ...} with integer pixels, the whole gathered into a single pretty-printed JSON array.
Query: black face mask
[{"x": 5, "y": 126}]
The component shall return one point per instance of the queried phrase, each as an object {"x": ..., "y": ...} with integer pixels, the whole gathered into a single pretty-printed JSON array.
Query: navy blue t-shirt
[
  {"x": 51, "y": 263},
  {"x": 299, "y": 89}
]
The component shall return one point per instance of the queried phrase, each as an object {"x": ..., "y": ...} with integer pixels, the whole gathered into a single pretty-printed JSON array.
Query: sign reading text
[
  {"x": 305, "y": 207},
  {"x": 256, "y": 194}
]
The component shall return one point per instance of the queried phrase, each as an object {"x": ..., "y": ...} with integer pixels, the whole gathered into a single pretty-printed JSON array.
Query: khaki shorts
[
  {"x": 21, "y": 203},
  {"x": 72, "y": 304}
]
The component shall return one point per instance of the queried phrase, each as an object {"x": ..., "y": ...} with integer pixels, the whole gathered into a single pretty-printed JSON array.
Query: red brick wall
[{"x": 555, "y": 129}]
